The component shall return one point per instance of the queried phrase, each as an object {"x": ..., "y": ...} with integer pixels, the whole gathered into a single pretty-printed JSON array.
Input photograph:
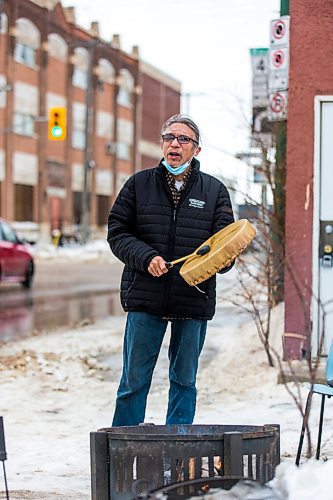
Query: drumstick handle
[
  {"x": 201, "y": 251},
  {"x": 171, "y": 264}
]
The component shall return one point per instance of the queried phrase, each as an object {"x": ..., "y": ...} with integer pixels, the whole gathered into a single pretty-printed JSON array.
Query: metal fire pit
[{"x": 127, "y": 459}]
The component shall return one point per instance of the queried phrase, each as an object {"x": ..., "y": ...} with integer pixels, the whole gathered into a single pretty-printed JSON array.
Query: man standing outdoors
[{"x": 162, "y": 214}]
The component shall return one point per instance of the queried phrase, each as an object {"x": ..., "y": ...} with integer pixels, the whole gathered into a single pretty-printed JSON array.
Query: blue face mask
[{"x": 177, "y": 170}]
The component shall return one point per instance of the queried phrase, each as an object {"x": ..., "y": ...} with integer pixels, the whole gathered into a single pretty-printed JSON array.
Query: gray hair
[{"x": 186, "y": 120}]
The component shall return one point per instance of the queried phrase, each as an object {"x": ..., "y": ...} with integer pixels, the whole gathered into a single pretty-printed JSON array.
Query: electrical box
[{"x": 326, "y": 243}]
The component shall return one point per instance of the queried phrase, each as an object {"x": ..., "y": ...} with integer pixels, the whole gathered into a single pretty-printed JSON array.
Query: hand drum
[{"x": 217, "y": 252}]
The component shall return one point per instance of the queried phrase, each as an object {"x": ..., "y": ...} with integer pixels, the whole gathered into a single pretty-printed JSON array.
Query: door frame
[{"x": 315, "y": 316}]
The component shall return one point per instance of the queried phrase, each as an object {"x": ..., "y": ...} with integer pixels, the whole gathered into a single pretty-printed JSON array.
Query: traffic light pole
[{"x": 87, "y": 150}]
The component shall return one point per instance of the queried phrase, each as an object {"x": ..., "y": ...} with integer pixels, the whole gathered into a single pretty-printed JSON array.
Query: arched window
[
  {"x": 126, "y": 88},
  {"x": 27, "y": 42},
  {"x": 57, "y": 47},
  {"x": 106, "y": 71},
  {"x": 81, "y": 63}
]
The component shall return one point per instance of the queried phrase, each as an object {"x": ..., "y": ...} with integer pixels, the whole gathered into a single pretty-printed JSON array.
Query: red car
[{"x": 16, "y": 260}]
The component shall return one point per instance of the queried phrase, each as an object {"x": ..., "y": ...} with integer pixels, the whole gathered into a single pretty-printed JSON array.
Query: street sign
[
  {"x": 277, "y": 105},
  {"x": 279, "y": 33},
  {"x": 278, "y": 68},
  {"x": 259, "y": 60}
]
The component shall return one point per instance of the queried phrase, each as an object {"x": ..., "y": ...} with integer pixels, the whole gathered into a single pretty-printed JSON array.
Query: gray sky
[{"x": 204, "y": 44}]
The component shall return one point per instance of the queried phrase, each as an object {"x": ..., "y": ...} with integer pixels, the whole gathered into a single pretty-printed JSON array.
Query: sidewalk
[{"x": 57, "y": 388}]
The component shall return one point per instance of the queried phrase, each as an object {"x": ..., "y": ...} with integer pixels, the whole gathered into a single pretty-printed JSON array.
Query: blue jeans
[{"x": 143, "y": 339}]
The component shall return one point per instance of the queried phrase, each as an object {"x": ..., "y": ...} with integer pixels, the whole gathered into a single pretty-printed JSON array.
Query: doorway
[{"x": 322, "y": 304}]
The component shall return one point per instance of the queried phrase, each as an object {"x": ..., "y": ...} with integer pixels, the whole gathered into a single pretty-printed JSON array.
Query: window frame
[
  {"x": 25, "y": 126},
  {"x": 21, "y": 56}
]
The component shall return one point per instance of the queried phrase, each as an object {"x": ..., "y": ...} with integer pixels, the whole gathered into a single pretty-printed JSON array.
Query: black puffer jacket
[{"x": 143, "y": 223}]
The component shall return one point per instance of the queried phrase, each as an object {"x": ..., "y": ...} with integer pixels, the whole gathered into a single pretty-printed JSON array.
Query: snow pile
[
  {"x": 96, "y": 249},
  {"x": 312, "y": 480}
]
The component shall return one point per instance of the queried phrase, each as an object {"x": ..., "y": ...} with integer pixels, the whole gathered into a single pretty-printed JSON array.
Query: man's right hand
[{"x": 157, "y": 267}]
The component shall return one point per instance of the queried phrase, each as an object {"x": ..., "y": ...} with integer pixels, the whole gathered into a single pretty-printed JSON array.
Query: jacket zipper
[
  {"x": 170, "y": 253},
  {"x": 172, "y": 238},
  {"x": 172, "y": 242}
]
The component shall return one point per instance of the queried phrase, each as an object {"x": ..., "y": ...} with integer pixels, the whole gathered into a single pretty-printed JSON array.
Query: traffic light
[{"x": 57, "y": 123}]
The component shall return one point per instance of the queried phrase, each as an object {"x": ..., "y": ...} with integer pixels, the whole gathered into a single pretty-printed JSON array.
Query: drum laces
[{"x": 201, "y": 291}]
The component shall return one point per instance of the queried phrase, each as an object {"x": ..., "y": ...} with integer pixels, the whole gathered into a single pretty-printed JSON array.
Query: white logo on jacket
[{"x": 196, "y": 203}]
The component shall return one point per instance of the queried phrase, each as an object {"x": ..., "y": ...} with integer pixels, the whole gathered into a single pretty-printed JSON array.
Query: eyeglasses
[{"x": 182, "y": 139}]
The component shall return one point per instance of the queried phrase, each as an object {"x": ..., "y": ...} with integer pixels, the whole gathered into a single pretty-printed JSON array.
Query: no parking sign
[
  {"x": 280, "y": 31},
  {"x": 278, "y": 68},
  {"x": 277, "y": 106}
]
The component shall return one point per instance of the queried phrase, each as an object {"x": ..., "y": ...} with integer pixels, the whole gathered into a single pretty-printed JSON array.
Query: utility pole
[
  {"x": 87, "y": 150},
  {"x": 187, "y": 97},
  {"x": 281, "y": 127},
  {"x": 284, "y": 8}
]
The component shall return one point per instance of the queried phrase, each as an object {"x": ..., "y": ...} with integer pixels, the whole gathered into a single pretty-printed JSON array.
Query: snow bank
[{"x": 94, "y": 250}]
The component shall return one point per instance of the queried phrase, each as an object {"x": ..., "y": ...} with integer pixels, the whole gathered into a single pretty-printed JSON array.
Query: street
[{"x": 63, "y": 294}]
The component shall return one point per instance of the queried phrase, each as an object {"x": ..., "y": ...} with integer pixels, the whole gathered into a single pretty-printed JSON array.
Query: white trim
[
  {"x": 315, "y": 316},
  {"x": 56, "y": 192}
]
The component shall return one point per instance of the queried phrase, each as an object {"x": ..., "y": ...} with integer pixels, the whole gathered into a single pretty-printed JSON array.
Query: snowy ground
[{"x": 57, "y": 388}]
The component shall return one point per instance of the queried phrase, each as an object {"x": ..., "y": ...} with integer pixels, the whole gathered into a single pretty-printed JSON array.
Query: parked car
[{"x": 16, "y": 260}]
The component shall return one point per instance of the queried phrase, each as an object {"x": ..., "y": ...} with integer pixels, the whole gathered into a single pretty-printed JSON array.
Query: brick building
[
  {"x": 115, "y": 105},
  {"x": 309, "y": 203}
]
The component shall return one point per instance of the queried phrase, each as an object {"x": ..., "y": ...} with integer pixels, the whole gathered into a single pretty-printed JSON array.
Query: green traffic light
[{"x": 57, "y": 131}]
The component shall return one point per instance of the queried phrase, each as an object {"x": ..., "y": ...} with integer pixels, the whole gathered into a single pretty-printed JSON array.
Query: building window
[
  {"x": 24, "y": 54},
  {"x": 124, "y": 98},
  {"x": 103, "y": 209},
  {"x": 3, "y": 23},
  {"x": 106, "y": 72},
  {"x": 58, "y": 47},
  {"x": 123, "y": 151},
  {"x": 78, "y": 139},
  {"x": 23, "y": 203},
  {"x": 24, "y": 124},
  {"x": 80, "y": 78},
  {"x": 79, "y": 125}
]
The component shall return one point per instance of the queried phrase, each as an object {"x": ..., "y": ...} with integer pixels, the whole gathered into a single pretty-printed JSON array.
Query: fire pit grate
[{"x": 153, "y": 456}]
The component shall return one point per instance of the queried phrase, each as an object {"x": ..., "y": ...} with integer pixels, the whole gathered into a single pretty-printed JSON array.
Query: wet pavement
[
  {"x": 67, "y": 294},
  {"x": 63, "y": 295}
]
